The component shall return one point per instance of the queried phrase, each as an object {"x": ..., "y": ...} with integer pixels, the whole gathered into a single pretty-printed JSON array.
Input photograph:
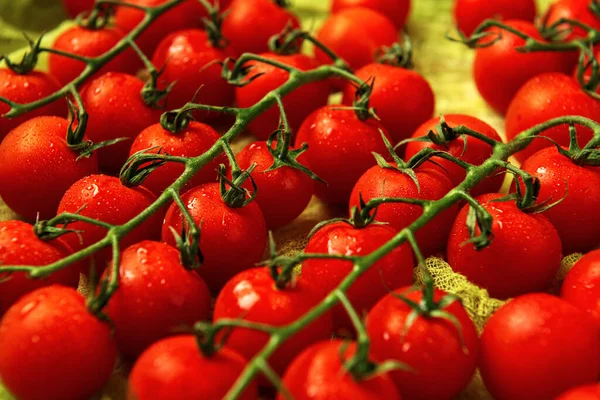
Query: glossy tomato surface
[
  {"x": 396, "y": 10},
  {"x": 581, "y": 286},
  {"x": 468, "y": 14}
]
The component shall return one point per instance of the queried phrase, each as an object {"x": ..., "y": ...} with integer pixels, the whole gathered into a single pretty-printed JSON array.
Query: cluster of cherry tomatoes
[{"x": 537, "y": 346}]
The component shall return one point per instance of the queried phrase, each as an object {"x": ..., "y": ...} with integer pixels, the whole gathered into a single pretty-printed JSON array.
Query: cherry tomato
[
  {"x": 89, "y": 43},
  {"x": 318, "y": 373},
  {"x": 231, "y": 240},
  {"x": 443, "y": 358},
  {"x": 193, "y": 141},
  {"x": 587, "y": 392},
  {"x": 27, "y": 88},
  {"x": 156, "y": 293},
  {"x": 249, "y": 24},
  {"x": 298, "y": 104},
  {"x": 396, "y": 10},
  {"x": 37, "y": 166},
  {"x": 356, "y": 34},
  {"x": 573, "y": 217},
  {"x": 76, "y": 7},
  {"x": 187, "y": 15},
  {"x": 340, "y": 148},
  {"x": 253, "y": 296},
  {"x": 577, "y": 10},
  {"x": 19, "y": 245},
  {"x": 50, "y": 333},
  {"x": 500, "y": 70},
  {"x": 190, "y": 60},
  {"x": 104, "y": 198},
  {"x": 283, "y": 193},
  {"x": 581, "y": 286},
  {"x": 111, "y": 100},
  {"x": 475, "y": 152},
  {"x": 545, "y": 97},
  {"x": 398, "y": 114},
  {"x": 393, "y": 271},
  {"x": 523, "y": 257},
  {"x": 537, "y": 346},
  {"x": 174, "y": 368},
  {"x": 468, "y": 14},
  {"x": 383, "y": 182}
]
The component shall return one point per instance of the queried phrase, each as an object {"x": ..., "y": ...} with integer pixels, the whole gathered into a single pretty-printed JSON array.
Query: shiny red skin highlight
[
  {"x": 89, "y": 43},
  {"x": 431, "y": 346},
  {"x": 396, "y": 10},
  {"x": 575, "y": 218},
  {"x": 544, "y": 97},
  {"x": 318, "y": 374},
  {"x": 355, "y": 34},
  {"x": 340, "y": 148},
  {"x": 193, "y": 141},
  {"x": 500, "y": 70},
  {"x": 174, "y": 368},
  {"x": 19, "y": 245},
  {"x": 37, "y": 167},
  {"x": 475, "y": 152},
  {"x": 283, "y": 193},
  {"x": 468, "y": 14},
  {"x": 581, "y": 286},
  {"x": 190, "y": 60},
  {"x": 298, "y": 104},
  {"x": 27, "y": 88},
  {"x": 402, "y": 98},
  {"x": 537, "y": 346},
  {"x": 523, "y": 257},
  {"x": 104, "y": 198},
  {"x": 587, "y": 392},
  {"x": 49, "y": 333},
  {"x": 253, "y": 296},
  {"x": 232, "y": 239},
  {"x": 116, "y": 110},
  {"x": 393, "y": 271},
  {"x": 384, "y": 182},
  {"x": 156, "y": 295}
]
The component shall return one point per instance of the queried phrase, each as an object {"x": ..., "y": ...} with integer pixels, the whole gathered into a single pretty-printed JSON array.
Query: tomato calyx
[
  {"x": 397, "y": 55},
  {"x": 588, "y": 155},
  {"x": 188, "y": 244},
  {"x": 398, "y": 164},
  {"x": 282, "y": 269},
  {"x": 97, "y": 18},
  {"x": 140, "y": 165},
  {"x": 29, "y": 60},
  {"x": 213, "y": 24},
  {"x": 288, "y": 41},
  {"x": 236, "y": 196}
]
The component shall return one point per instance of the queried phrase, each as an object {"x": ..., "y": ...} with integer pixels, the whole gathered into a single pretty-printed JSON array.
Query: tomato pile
[{"x": 119, "y": 160}]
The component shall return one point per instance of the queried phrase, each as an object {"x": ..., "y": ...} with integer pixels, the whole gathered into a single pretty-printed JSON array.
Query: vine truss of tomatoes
[{"x": 142, "y": 164}]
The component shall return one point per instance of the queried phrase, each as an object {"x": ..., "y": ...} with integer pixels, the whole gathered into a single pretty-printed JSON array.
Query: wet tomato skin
[
  {"x": 468, "y": 14},
  {"x": 395, "y": 10},
  {"x": 581, "y": 286}
]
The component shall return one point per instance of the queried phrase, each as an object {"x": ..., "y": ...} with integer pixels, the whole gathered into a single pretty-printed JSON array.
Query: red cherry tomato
[
  {"x": 383, "y": 182},
  {"x": 19, "y": 245},
  {"x": 475, "y": 152},
  {"x": 298, "y": 104},
  {"x": 443, "y": 358},
  {"x": 37, "y": 166},
  {"x": 187, "y": 15},
  {"x": 500, "y": 70},
  {"x": 536, "y": 347},
  {"x": 356, "y": 34},
  {"x": 50, "y": 333},
  {"x": 523, "y": 257},
  {"x": 170, "y": 369},
  {"x": 581, "y": 286},
  {"x": 249, "y": 24},
  {"x": 576, "y": 10},
  {"x": 340, "y": 148},
  {"x": 253, "y": 296},
  {"x": 588, "y": 392},
  {"x": 76, "y": 7},
  {"x": 110, "y": 101},
  {"x": 231, "y": 240},
  {"x": 400, "y": 115},
  {"x": 151, "y": 275},
  {"x": 396, "y": 10},
  {"x": 545, "y": 97},
  {"x": 283, "y": 193},
  {"x": 468, "y": 14},
  {"x": 318, "y": 373},
  {"x": 193, "y": 141},
  {"x": 393, "y": 271},
  {"x": 190, "y": 60},
  {"x": 27, "y": 88},
  {"x": 104, "y": 198},
  {"x": 574, "y": 217},
  {"x": 89, "y": 43}
]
